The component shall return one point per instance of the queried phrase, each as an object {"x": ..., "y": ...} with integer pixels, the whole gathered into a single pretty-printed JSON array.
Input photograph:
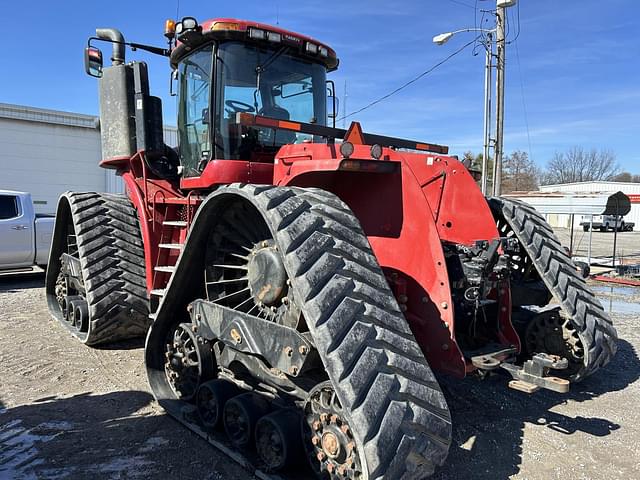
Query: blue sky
[{"x": 577, "y": 78}]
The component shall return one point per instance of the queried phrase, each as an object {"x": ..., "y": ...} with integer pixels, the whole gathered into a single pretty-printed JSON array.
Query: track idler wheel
[
  {"x": 331, "y": 447},
  {"x": 188, "y": 362},
  {"x": 278, "y": 441},
  {"x": 241, "y": 415},
  {"x": 550, "y": 332},
  {"x": 211, "y": 398}
]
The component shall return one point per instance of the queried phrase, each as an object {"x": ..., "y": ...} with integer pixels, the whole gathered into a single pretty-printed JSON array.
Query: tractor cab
[
  {"x": 228, "y": 67},
  {"x": 222, "y": 68}
]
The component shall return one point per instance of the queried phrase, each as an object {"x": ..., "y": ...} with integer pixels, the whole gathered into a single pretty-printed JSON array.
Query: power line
[
  {"x": 405, "y": 85},
  {"x": 518, "y": 22},
  {"x": 524, "y": 105},
  {"x": 457, "y": 2}
]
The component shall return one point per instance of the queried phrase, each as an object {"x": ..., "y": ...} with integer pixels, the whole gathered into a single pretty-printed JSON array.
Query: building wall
[
  {"x": 632, "y": 189},
  {"x": 47, "y": 159},
  {"x": 46, "y": 153}
]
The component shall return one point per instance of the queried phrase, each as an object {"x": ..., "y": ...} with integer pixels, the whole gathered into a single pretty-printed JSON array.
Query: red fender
[{"x": 407, "y": 215}]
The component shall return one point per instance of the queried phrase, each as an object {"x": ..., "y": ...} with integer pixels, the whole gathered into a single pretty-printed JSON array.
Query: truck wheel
[
  {"x": 98, "y": 256},
  {"x": 585, "y": 228},
  {"x": 372, "y": 407}
]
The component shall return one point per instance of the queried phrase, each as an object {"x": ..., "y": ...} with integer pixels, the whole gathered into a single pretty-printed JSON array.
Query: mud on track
[{"x": 67, "y": 411}]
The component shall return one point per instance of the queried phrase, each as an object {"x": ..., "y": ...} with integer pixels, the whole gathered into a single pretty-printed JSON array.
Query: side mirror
[
  {"x": 333, "y": 108},
  {"x": 173, "y": 80},
  {"x": 93, "y": 61}
]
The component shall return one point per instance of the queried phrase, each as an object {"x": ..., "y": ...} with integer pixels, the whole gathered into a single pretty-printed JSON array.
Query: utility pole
[
  {"x": 487, "y": 112},
  {"x": 501, "y": 19}
]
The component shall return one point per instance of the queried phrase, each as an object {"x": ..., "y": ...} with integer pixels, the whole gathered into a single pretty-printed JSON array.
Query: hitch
[{"x": 532, "y": 376}]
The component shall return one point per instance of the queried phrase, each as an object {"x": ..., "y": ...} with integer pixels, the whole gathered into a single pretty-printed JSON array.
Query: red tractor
[{"x": 297, "y": 282}]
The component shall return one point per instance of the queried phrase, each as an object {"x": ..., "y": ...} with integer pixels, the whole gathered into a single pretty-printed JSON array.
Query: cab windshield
[{"x": 269, "y": 82}]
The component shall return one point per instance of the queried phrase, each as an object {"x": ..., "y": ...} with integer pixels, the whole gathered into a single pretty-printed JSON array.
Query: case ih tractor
[{"x": 298, "y": 283}]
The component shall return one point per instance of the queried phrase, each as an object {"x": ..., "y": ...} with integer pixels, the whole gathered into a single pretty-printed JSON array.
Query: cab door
[{"x": 16, "y": 249}]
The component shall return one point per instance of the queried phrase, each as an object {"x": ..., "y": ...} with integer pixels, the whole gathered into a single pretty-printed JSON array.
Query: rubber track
[
  {"x": 570, "y": 291},
  {"x": 392, "y": 400},
  {"x": 111, "y": 254}
]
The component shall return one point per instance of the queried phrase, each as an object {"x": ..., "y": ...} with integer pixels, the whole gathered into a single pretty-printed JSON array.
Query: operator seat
[{"x": 274, "y": 111}]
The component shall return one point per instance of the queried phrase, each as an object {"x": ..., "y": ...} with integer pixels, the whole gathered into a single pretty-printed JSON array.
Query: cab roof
[{"x": 236, "y": 29}]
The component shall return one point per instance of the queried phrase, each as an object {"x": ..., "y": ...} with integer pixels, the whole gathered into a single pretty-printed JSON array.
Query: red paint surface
[{"x": 407, "y": 215}]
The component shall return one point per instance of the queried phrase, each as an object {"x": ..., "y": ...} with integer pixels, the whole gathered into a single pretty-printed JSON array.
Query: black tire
[
  {"x": 111, "y": 254},
  {"x": 585, "y": 228},
  {"x": 562, "y": 279},
  {"x": 389, "y": 395}
]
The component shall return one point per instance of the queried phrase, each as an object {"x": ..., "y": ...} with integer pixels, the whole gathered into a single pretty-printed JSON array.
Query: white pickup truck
[
  {"x": 25, "y": 237},
  {"x": 606, "y": 222}
]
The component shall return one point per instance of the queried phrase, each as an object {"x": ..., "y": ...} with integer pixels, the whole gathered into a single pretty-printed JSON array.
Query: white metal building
[
  {"x": 47, "y": 152},
  {"x": 632, "y": 190}
]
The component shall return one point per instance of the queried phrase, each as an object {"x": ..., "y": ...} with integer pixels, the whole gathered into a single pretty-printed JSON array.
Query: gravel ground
[{"x": 67, "y": 411}]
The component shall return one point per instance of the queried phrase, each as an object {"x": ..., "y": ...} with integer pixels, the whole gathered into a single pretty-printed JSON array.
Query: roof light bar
[
  {"x": 274, "y": 37},
  {"x": 225, "y": 26},
  {"x": 311, "y": 48},
  {"x": 257, "y": 34}
]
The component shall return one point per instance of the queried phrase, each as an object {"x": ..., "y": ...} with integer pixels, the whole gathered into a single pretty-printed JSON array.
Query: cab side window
[
  {"x": 193, "y": 110},
  {"x": 8, "y": 207}
]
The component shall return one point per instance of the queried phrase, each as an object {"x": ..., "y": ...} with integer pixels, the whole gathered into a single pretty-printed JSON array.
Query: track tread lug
[
  {"x": 112, "y": 259},
  {"x": 557, "y": 271}
]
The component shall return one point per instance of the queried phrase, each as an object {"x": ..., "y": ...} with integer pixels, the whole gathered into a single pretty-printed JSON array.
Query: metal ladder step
[
  {"x": 158, "y": 292},
  {"x": 171, "y": 246},
  {"x": 164, "y": 268},
  {"x": 175, "y": 223}
]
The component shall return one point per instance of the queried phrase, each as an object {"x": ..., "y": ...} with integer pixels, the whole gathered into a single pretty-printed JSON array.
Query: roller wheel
[
  {"x": 241, "y": 415},
  {"x": 211, "y": 398},
  {"x": 278, "y": 441}
]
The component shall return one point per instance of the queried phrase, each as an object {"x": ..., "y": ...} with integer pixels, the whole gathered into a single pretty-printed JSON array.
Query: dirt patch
[{"x": 68, "y": 411}]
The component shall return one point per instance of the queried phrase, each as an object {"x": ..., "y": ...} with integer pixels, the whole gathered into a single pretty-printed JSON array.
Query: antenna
[
  {"x": 277, "y": 14},
  {"x": 344, "y": 106}
]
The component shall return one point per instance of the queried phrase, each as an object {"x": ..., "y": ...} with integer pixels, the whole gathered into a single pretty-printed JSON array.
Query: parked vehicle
[
  {"x": 25, "y": 237},
  {"x": 606, "y": 222},
  {"x": 298, "y": 290}
]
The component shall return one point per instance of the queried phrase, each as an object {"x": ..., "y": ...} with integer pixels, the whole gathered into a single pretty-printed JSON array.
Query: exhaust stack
[
  {"x": 117, "y": 110},
  {"x": 117, "y": 38}
]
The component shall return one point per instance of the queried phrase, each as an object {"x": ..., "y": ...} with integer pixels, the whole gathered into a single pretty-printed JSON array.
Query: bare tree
[
  {"x": 519, "y": 173},
  {"x": 626, "y": 177},
  {"x": 580, "y": 165}
]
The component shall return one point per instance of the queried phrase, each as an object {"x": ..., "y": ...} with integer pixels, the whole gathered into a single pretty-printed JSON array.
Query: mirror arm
[
  {"x": 165, "y": 52},
  {"x": 333, "y": 95}
]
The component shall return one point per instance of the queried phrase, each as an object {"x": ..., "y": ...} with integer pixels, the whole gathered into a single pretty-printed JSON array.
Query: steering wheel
[{"x": 239, "y": 107}]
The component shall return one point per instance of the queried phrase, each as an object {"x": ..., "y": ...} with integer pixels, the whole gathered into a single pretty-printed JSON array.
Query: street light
[{"x": 444, "y": 38}]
